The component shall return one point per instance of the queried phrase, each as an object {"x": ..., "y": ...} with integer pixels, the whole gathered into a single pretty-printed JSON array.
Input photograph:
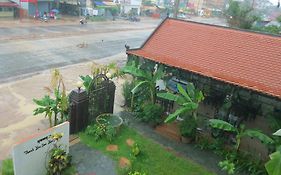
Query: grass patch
[
  {"x": 7, "y": 167},
  {"x": 153, "y": 158}
]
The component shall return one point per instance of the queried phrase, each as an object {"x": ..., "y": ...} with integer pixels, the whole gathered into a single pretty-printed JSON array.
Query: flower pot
[{"x": 186, "y": 139}]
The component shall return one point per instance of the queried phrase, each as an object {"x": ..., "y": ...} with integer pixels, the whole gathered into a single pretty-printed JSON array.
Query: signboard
[{"x": 30, "y": 157}]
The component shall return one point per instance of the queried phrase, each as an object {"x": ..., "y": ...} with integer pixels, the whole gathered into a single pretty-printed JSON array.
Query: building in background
[
  {"x": 130, "y": 6},
  {"x": 8, "y": 9}
]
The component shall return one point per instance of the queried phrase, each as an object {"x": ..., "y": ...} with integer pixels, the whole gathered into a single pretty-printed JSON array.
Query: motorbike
[{"x": 83, "y": 21}]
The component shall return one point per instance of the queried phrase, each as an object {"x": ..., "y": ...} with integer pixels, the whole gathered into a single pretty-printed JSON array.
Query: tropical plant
[
  {"x": 100, "y": 130},
  {"x": 240, "y": 132},
  {"x": 145, "y": 81},
  {"x": 135, "y": 150},
  {"x": 111, "y": 70},
  {"x": 152, "y": 113},
  {"x": 188, "y": 100},
  {"x": 273, "y": 166},
  {"x": 126, "y": 92},
  {"x": 57, "y": 106},
  {"x": 227, "y": 166},
  {"x": 59, "y": 159},
  {"x": 188, "y": 127}
]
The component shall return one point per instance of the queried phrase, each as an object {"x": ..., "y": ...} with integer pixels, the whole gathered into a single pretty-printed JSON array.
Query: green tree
[{"x": 240, "y": 15}]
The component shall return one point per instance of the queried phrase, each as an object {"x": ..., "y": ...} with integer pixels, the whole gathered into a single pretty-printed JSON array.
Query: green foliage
[
  {"x": 152, "y": 113},
  {"x": 126, "y": 91},
  {"x": 86, "y": 81},
  {"x": 101, "y": 130},
  {"x": 136, "y": 173},
  {"x": 7, "y": 167},
  {"x": 188, "y": 100},
  {"x": 145, "y": 80},
  {"x": 227, "y": 166},
  {"x": 154, "y": 159},
  {"x": 188, "y": 127},
  {"x": 59, "y": 159},
  {"x": 225, "y": 126},
  {"x": 135, "y": 150},
  {"x": 272, "y": 29},
  {"x": 240, "y": 15},
  {"x": 57, "y": 106},
  {"x": 273, "y": 166}
]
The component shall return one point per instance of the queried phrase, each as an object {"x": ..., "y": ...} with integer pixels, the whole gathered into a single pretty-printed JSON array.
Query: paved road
[{"x": 45, "y": 47}]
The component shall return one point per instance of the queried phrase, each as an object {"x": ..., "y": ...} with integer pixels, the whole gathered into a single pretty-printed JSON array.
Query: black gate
[{"x": 101, "y": 96}]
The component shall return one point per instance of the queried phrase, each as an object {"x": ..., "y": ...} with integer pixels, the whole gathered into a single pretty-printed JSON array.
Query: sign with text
[{"x": 31, "y": 156}]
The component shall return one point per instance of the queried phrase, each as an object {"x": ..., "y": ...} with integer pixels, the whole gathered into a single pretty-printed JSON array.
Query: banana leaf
[
  {"x": 223, "y": 125},
  {"x": 183, "y": 93},
  {"x": 167, "y": 96},
  {"x": 257, "y": 134},
  {"x": 273, "y": 166},
  {"x": 173, "y": 117},
  {"x": 277, "y": 133}
]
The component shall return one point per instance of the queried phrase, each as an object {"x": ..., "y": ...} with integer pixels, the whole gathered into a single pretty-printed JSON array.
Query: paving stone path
[{"x": 91, "y": 162}]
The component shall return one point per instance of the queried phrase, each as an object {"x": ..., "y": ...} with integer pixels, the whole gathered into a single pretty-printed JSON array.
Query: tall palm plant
[{"x": 145, "y": 80}]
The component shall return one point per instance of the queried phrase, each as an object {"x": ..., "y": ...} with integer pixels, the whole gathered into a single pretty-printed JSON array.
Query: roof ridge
[{"x": 228, "y": 28}]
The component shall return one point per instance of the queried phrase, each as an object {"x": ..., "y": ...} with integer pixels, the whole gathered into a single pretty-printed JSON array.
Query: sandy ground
[{"x": 16, "y": 106}]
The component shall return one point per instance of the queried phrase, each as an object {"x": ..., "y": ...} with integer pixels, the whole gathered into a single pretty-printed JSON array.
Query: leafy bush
[
  {"x": 135, "y": 150},
  {"x": 101, "y": 130},
  {"x": 152, "y": 113},
  {"x": 126, "y": 92},
  {"x": 59, "y": 159},
  {"x": 188, "y": 127}
]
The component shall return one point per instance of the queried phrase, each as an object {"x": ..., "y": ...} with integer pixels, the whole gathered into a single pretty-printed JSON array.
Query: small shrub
[
  {"x": 101, "y": 130},
  {"x": 135, "y": 151},
  {"x": 227, "y": 166},
  {"x": 152, "y": 113},
  {"x": 188, "y": 127}
]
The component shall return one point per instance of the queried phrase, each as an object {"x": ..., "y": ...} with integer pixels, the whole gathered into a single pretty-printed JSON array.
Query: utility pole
[{"x": 176, "y": 8}]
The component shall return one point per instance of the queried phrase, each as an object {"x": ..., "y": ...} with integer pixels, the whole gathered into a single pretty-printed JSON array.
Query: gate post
[{"x": 78, "y": 118}]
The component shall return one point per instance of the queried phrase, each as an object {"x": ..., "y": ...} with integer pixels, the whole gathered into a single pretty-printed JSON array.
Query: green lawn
[{"x": 153, "y": 159}]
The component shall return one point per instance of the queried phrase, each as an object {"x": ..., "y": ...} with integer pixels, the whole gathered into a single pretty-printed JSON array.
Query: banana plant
[
  {"x": 53, "y": 106},
  {"x": 273, "y": 166},
  {"x": 46, "y": 105},
  {"x": 188, "y": 100},
  {"x": 240, "y": 132},
  {"x": 145, "y": 80}
]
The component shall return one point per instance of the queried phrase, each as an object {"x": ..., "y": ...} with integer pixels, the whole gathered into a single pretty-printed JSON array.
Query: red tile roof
[{"x": 247, "y": 59}]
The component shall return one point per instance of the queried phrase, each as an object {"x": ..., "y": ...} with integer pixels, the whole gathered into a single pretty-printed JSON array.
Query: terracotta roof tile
[{"x": 247, "y": 59}]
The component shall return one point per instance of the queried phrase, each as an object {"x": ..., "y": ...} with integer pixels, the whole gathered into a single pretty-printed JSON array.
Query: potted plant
[{"x": 188, "y": 129}]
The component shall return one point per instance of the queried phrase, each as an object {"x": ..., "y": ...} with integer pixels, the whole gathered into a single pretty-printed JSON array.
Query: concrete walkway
[{"x": 91, "y": 162}]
